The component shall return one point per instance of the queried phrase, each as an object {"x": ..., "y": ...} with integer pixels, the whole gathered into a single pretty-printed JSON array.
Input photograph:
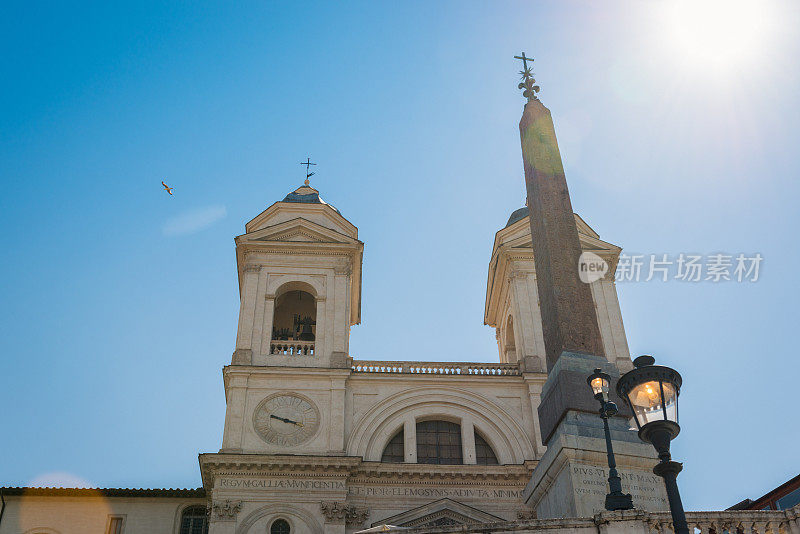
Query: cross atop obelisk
[
  {"x": 527, "y": 79},
  {"x": 308, "y": 163}
]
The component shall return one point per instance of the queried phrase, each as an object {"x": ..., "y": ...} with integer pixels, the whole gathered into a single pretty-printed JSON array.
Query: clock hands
[{"x": 285, "y": 420}]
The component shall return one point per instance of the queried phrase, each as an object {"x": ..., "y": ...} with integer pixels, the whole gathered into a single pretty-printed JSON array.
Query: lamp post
[
  {"x": 600, "y": 383},
  {"x": 652, "y": 393}
]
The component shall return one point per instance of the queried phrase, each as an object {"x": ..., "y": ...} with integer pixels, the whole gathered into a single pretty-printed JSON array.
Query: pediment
[
  {"x": 444, "y": 512},
  {"x": 297, "y": 235},
  {"x": 298, "y": 230},
  {"x": 321, "y": 214},
  {"x": 518, "y": 236}
]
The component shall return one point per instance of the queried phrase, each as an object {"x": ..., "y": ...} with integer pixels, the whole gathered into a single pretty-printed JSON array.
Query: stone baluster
[{"x": 793, "y": 520}]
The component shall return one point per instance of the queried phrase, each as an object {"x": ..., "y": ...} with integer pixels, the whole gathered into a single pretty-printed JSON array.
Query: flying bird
[{"x": 168, "y": 188}]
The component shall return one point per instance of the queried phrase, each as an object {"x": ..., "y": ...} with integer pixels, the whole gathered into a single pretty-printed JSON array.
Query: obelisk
[
  {"x": 568, "y": 414},
  {"x": 568, "y": 314}
]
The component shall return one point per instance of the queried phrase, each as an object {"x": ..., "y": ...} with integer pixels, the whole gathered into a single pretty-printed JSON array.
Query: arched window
[
  {"x": 279, "y": 526},
  {"x": 395, "y": 449},
  {"x": 194, "y": 520},
  {"x": 484, "y": 455},
  {"x": 439, "y": 442}
]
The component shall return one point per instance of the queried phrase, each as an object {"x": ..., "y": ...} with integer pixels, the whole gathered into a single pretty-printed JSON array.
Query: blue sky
[{"x": 120, "y": 302}]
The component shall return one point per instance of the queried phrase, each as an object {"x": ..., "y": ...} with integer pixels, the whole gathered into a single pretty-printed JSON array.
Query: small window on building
[
  {"x": 395, "y": 450},
  {"x": 194, "y": 520},
  {"x": 484, "y": 455},
  {"x": 439, "y": 442},
  {"x": 279, "y": 526},
  {"x": 115, "y": 525}
]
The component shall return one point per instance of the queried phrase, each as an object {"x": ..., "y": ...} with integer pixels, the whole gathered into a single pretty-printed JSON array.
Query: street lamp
[
  {"x": 600, "y": 383},
  {"x": 652, "y": 393}
]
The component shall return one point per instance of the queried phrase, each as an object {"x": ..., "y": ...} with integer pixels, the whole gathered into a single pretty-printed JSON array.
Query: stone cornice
[
  {"x": 299, "y": 247},
  {"x": 269, "y": 462},
  {"x": 377, "y": 473},
  {"x": 198, "y": 493},
  {"x": 248, "y": 370}
]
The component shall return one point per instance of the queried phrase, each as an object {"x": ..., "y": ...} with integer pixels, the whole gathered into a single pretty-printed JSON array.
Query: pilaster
[
  {"x": 410, "y": 439},
  {"x": 247, "y": 308},
  {"x": 235, "y": 396},
  {"x": 222, "y": 517},
  {"x": 535, "y": 382},
  {"x": 341, "y": 312},
  {"x": 266, "y": 332},
  {"x": 468, "y": 441},
  {"x": 617, "y": 327},
  {"x": 258, "y": 316},
  {"x": 336, "y": 429},
  {"x": 527, "y": 318}
]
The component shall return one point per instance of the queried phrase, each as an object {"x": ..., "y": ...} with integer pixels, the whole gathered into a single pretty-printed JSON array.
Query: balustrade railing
[
  {"x": 292, "y": 348},
  {"x": 730, "y": 522},
  {"x": 624, "y": 522},
  {"x": 436, "y": 368}
]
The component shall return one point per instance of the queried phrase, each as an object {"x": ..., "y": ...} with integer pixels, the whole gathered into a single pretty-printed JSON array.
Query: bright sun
[{"x": 717, "y": 34}]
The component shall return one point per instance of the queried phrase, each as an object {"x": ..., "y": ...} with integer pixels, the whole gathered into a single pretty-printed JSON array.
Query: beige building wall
[{"x": 88, "y": 512}]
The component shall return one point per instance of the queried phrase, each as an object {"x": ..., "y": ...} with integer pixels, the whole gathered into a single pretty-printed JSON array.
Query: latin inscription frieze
[
  {"x": 280, "y": 483},
  {"x": 439, "y": 493},
  {"x": 389, "y": 491}
]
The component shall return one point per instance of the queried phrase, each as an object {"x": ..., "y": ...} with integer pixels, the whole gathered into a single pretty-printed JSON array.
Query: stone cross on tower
[{"x": 307, "y": 163}]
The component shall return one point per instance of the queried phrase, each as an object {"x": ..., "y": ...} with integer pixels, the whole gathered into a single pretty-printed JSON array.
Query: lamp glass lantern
[
  {"x": 652, "y": 392},
  {"x": 600, "y": 383}
]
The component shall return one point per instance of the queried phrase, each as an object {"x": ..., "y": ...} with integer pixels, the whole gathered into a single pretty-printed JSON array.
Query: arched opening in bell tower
[{"x": 294, "y": 322}]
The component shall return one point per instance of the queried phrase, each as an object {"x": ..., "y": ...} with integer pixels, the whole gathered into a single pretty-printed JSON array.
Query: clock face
[{"x": 286, "y": 419}]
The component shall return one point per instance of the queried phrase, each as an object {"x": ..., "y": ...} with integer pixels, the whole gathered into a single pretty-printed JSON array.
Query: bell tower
[
  {"x": 299, "y": 266},
  {"x": 513, "y": 303}
]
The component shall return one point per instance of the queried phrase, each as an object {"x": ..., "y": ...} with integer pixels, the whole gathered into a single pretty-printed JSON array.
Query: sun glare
[{"x": 718, "y": 34}]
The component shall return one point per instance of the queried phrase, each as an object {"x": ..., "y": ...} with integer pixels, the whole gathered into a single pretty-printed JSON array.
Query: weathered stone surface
[
  {"x": 565, "y": 390},
  {"x": 569, "y": 321},
  {"x": 571, "y": 480}
]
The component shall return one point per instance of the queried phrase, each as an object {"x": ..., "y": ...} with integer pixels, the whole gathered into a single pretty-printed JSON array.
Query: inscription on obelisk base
[{"x": 571, "y": 480}]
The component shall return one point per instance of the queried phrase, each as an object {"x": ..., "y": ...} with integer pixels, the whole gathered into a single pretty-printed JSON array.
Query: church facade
[
  {"x": 335, "y": 445},
  {"x": 316, "y": 442}
]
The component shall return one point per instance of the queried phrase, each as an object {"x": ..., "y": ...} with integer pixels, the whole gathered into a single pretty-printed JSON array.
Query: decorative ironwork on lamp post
[
  {"x": 600, "y": 383},
  {"x": 652, "y": 393}
]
